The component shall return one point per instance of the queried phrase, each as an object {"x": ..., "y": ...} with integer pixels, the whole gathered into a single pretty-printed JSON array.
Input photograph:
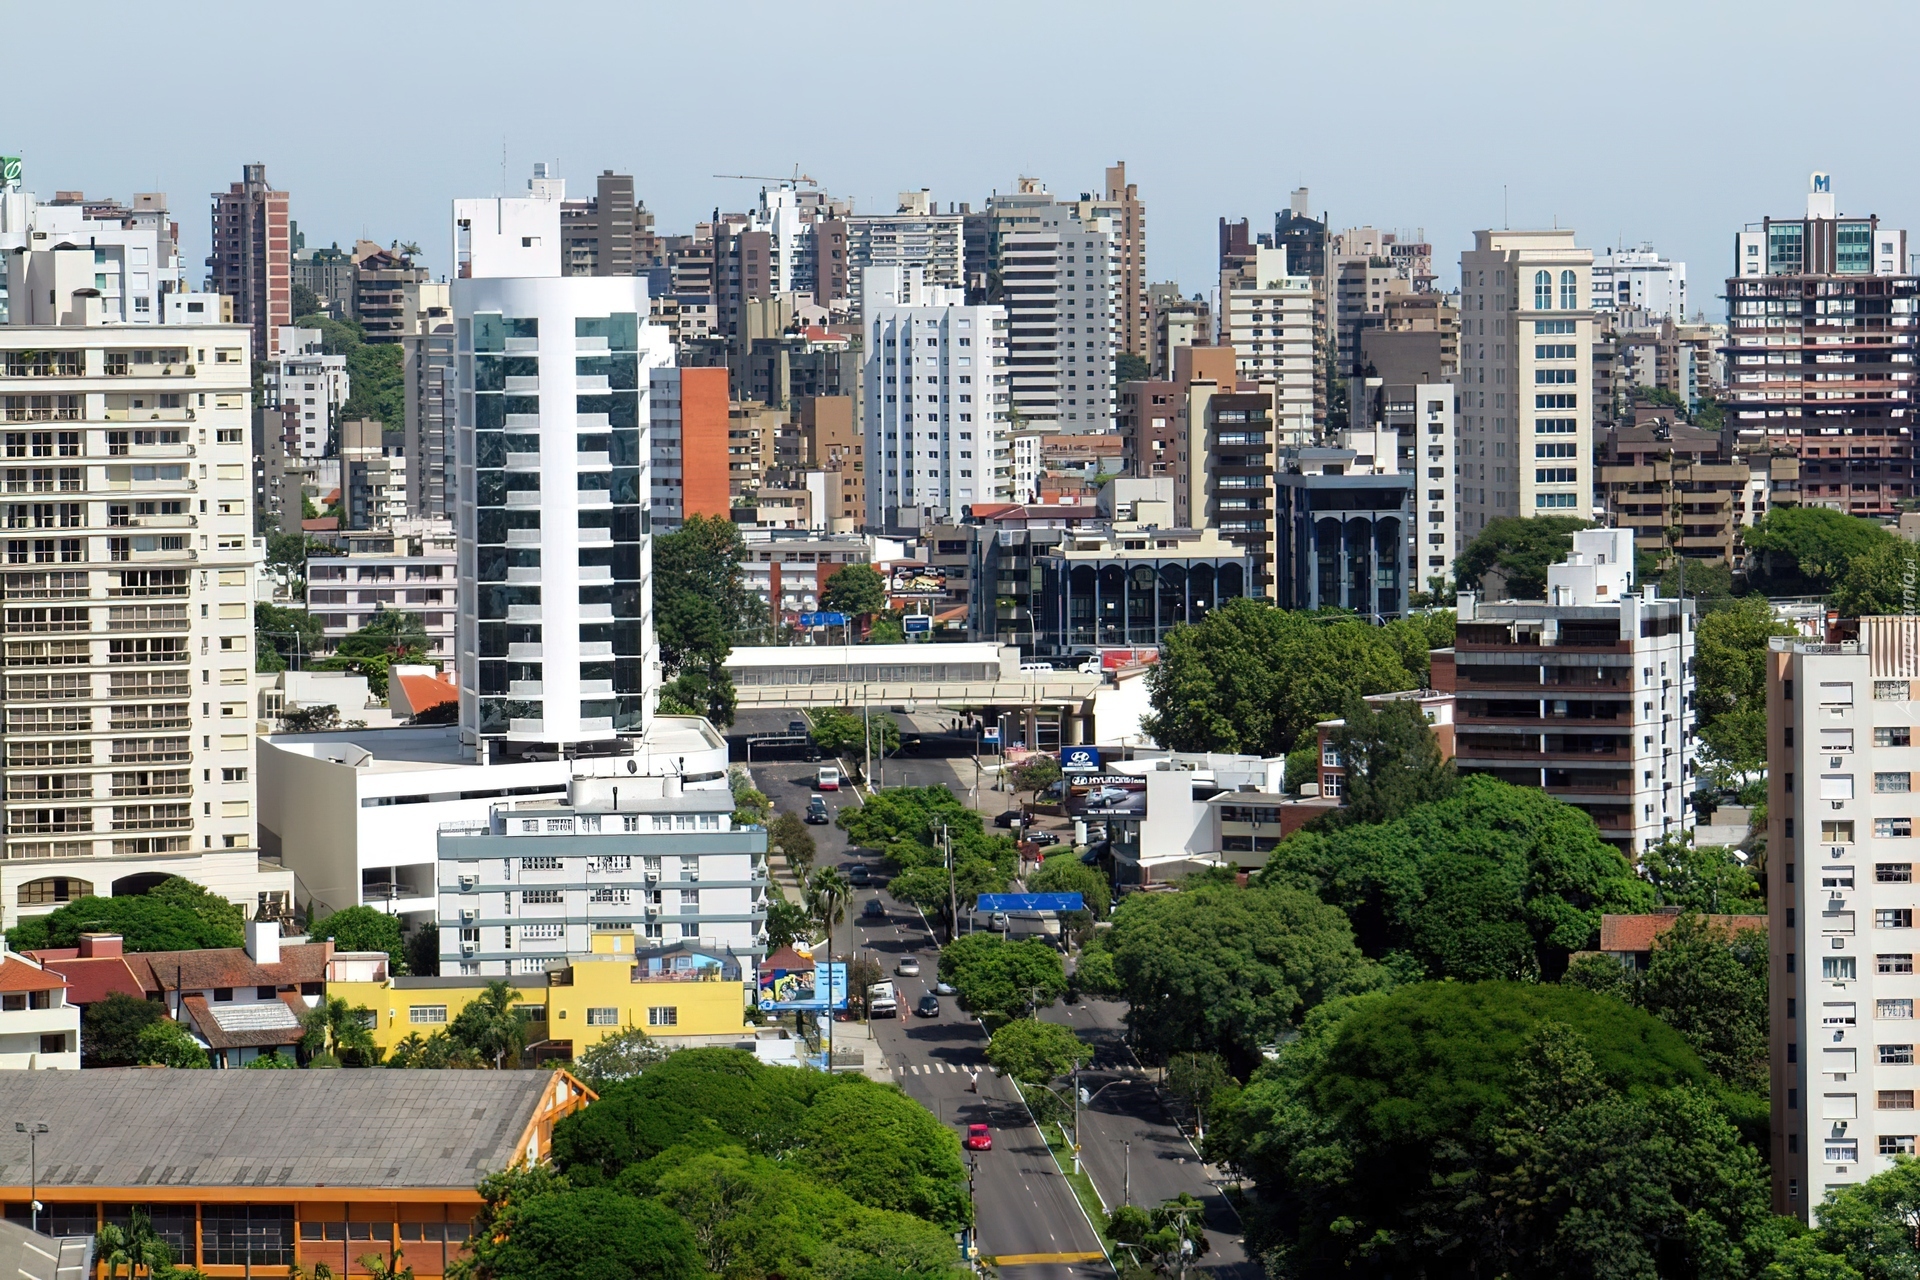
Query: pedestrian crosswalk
[
  {"x": 934, "y": 1068},
  {"x": 939, "y": 1068}
]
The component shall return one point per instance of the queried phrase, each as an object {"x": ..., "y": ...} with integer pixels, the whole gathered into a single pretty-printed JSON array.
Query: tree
[
  {"x": 856, "y": 590},
  {"x": 886, "y": 629},
  {"x": 790, "y": 832},
  {"x": 787, "y": 921},
  {"x": 846, "y": 733},
  {"x": 904, "y": 824},
  {"x": 827, "y": 893},
  {"x": 1196, "y": 1079},
  {"x": 340, "y": 1031},
  {"x": 992, "y": 975},
  {"x": 1493, "y": 1128},
  {"x": 176, "y": 915},
  {"x": 1253, "y": 678},
  {"x": 136, "y": 1246},
  {"x": 1128, "y": 367},
  {"x": 1730, "y": 654},
  {"x": 1165, "y": 1235},
  {"x": 885, "y": 1150},
  {"x": 165, "y": 1043},
  {"x": 1706, "y": 878},
  {"x": 1035, "y": 774},
  {"x": 1495, "y": 881},
  {"x": 1221, "y": 969},
  {"x": 1392, "y": 762},
  {"x": 269, "y": 1060},
  {"x": 700, "y": 603},
  {"x": 390, "y": 636},
  {"x": 110, "y": 1029},
  {"x": 705, "y": 691},
  {"x": 285, "y": 637},
  {"x": 617, "y": 1057},
  {"x": 750, "y": 804},
  {"x": 1520, "y": 548},
  {"x": 491, "y": 1027},
  {"x": 1864, "y": 1230},
  {"x": 305, "y": 300},
  {"x": 437, "y": 1052},
  {"x": 423, "y": 951},
  {"x": 1884, "y": 580},
  {"x": 1035, "y": 1052},
  {"x": 376, "y": 376},
  {"x": 593, "y": 1232},
  {"x": 1807, "y": 550},
  {"x": 365, "y": 929},
  {"x": 1065, "y": 873}
]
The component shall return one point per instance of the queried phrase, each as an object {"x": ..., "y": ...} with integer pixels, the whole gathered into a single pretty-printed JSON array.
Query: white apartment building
[
  {"x": 129, "y": 581},
  {"x": 1058, "y": 280},
  {"x": 915, "y": 236},
  {"x": 303, "y": 377},
  {"x": 1640, "y": 279},
  {"x": 935, "y": 390},
  {"x": 1421, "y": 415},
  {"x": 345, "y": 593},
  {"x": 1024, "y": 452},
  {"x": 130, "y": 255},
  {"x": 1266, "y": 316},
  {"x": 1526, "y": 378},
  {"x": 356, "y": 813},
  {"x": 39, "y": 1029},
  {"x": 1841, "y": 725},
  {"x": 643, "y": 854},
  {"x": 555, "y": 635}
]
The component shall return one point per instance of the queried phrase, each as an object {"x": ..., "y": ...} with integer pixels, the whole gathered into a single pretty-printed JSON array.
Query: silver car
[{"x": 909, "y": 967}]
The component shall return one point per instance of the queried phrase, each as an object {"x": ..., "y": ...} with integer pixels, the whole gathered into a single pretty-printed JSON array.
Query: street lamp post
[{"x": 33, "y": 1132}]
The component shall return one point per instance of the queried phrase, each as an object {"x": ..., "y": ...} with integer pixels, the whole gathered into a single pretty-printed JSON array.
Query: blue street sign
[
  {"x": 1031, "y": 902},
  {"x": 823, "y": 619},
  {"x": 991, "y": 735},
  {"x": 1080, "y": 758},
  {"x": 916, "y": 624}
]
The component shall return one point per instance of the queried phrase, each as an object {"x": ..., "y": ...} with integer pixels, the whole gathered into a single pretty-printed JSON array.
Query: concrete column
[{"x": 1076, "y": 726}]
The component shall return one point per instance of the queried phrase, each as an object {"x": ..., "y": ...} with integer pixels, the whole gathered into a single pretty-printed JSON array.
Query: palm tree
[
  {"x": 379, "y": 1268},
  {"x": 827, "y": 895},
  {"x": 135, "y": 1246},
  {"x": 491, "y": 1027},
  {"x": 335, "y": 1027}
]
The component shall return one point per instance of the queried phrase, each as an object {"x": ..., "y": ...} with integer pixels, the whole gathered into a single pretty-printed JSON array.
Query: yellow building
[{"x": 672, "y": 993}]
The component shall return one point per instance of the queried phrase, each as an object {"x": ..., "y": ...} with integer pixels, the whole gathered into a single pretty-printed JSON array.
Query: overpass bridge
[{"x": 911, "y": 677}]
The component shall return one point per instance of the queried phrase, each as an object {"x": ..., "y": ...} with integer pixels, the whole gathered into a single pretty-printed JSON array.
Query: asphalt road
[
  {"x": 1128, "y": 1140},
  {"x": 1023, "y": 1207}
]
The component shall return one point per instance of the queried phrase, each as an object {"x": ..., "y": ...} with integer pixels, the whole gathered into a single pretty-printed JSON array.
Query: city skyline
[{"x": 1491, "y": 153}]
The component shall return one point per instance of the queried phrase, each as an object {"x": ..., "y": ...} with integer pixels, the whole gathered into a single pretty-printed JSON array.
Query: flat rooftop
[{"x": 411, "y": 749}]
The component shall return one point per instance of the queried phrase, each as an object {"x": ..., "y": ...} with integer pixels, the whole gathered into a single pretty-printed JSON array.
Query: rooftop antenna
[{"x": 1506, "y": 223}]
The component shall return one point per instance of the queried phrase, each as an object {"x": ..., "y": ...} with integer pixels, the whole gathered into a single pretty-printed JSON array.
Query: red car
[{"x": 979, "y": 1138}]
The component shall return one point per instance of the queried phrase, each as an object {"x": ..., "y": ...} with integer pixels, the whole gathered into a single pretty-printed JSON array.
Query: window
[
  {"x": 1893, "y": 872},
  {"x": 1893, "y": 918},
  {"x": 1893, "y": 828},
  {"x": 540, "y": 897},
  {"x": 1892, "y": 783},
  {"x": 1901, "y": 1008},
  {"x": 607, "y": 1016},
  {"x": 1836, "y": 693},
  {"x": 1893, "y": 736},
  {"x": 1836, "y": 878},
  {"x": 1838, "y": 1014},
  {"x": 540, "y": 864},
  {"x": 1840, "y": 968},
  {"x": 1838, "y": 832},
  {"x": 422, "y": 1014},
  {"x": 1900, "y": 962},
  {"x": 1896, "y": 1144},
  {"x": 1555, "y": 499},
  {"x": 56, "y": 1042},
  {"x": 1543, "y": 291},
  {"x": 1839, "y": 786},
  {"x": 1555, "y": 475},
  {"x": 1569, "y": 291},
  {"x": 1894, "y": 1100},
  {"x": 663, "y": 1015},
  {"x": 1890, "y": 690},
  {"x": 1842, "y": 1150},
  {"x": 1896, "y": 1055}
]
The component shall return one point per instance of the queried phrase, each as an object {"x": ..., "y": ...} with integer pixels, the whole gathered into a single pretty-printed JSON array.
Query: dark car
[
  {"x": 813, "y": 753},
  {"x": 873, "y": 910},
  {"x": 1043, "y": 837},
  {"x": 817, "y": 810},
  {"x": 858, "y": 875},
  {"x": 929, "y": 1007},
  {"x": 1006, "y": 818}
]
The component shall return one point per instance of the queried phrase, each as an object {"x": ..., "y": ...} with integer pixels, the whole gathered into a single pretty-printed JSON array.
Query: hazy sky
[{"x": 1669, "y": 122}]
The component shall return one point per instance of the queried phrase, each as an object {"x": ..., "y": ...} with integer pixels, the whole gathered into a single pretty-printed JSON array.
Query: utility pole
[
  {"x": 33, "y": 1132},
  {"x": 953, "y": 893}
]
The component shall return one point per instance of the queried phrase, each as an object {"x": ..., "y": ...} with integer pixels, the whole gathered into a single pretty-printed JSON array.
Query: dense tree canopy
[
  {"x": 903, "y": 824},
  {"x": 1228, "y": 970},
  {"x": 391, "y": 636},
  {"x": 590, "y": 1234},
  {"x": 1391, "y": 760},
  {"x": 1884, "y": 579},
  {"x": 1253, "y": 678},
  {"x": 1065, "y": 873},
  {"x": 701, "y": 603},
  {"x": 110, "y": 1029},
  {"x": 1709, "y": 878},
  {"x": 1035, "y": 1052},
  {"x": 1496, "y": 881},
  {"x": 1513, "y": 1129},
  {"x": 1730, "y": 651},
  {"x": 365, "y": 929},
  {"x": 1520, "y": 549},
  {"x": 991, "y": 975},
  {"x": 176, "y": 915},
  {"x": 1805, "y": 551},
  {"x": 856, "y": 590},
  {"x": 375, "y": 371},
  {"x": 284, "y": 637},
  {"x": 1863, "y": 1232}
]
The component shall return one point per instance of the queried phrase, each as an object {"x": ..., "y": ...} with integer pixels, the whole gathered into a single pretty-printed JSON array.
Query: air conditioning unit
[
  {"x": 653, "y": 877},
  {"x": 469, "y": 914},
  {"x": 469, "y": 948},
  {"x": 469, "y": 883}
]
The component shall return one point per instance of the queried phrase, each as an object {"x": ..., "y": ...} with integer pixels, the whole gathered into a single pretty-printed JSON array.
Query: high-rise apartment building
[
  {"x": 1823, "y": 328},
  {"x": 935, "y": 394},
  {"x": 1057, "y": 275},
  {"x": 599, "y": 232},
  {"x": 688, "y": 410},
  {"x": 252, "y": 257},
  {"x": 1266, "y": 317},
  {"x": 386, "y": 292},
  {"x": 1343, "y": 516},
  {"x": 328, "y": 272},
  {"x": 1419, "y": 417},
  {"x": 836, "y": 448},
  {"x": 1587, "y": 695},
  {"x": 305, "y": 388},
  {"x": 1840, "y": 825},
  {"x": 916, "y": 236},
  {"x": 1132, "y": 333},
  {"x": 556, "y": 648},
  {"x": 1640, "y": 279},
  {"x": 1174, "y": 321},
  {"x": 1526, "y": 378},
  {"x": 129, "y": 584},
  {"x": 430, "y": 383},
  {"x": 1308, "y": 245},
  {"x": 136, "y": 250}
]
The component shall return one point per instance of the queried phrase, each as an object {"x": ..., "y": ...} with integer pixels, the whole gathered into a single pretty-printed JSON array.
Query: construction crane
[{"x": 796, "y": 180}]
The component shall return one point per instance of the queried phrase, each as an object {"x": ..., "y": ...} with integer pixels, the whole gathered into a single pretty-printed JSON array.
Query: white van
[
  {"x": 1037, "y": 666},
  {"x": 827, "y": 778}
]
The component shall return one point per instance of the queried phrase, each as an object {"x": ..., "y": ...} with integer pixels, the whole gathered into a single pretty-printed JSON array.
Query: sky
[{"x": 1671, "y": 123}]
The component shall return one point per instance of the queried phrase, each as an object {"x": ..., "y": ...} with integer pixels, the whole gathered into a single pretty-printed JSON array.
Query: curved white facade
[{"x": 555, "y": 635}]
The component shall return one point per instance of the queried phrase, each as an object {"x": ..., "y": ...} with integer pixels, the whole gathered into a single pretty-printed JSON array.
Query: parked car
[
  {"x": 943, "y": 988},
  {"x": 827, "y": 778},
  {"x": 859, "y": 876},
  {"x": 929, "y": 1007},
  {"x": 909, "y": 967},
  {"x": 979, "y": 1138},
  {"x": 1006, "y": 818},
  {"x": 1043, "y": 837},
  {"x": 817, "y": 810},
  {"x": 873, "y": 910},
  {"x": 999, "y": 922}
]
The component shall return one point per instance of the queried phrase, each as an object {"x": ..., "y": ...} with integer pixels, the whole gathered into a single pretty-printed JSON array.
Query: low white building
[
  {"x": 38, "y": 1028},
  {"x": 355, "y": 815}
]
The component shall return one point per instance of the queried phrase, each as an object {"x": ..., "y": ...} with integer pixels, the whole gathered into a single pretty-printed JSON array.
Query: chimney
[
  {"x": 100, "y": 946},
  {"x": 263, "y": 941}
]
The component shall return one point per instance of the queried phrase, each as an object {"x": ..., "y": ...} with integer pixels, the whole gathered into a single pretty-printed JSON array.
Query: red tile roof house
[
  {"x": 239, "y": 1002},
  {"x": 38, "y": 1028},
  {"x": 1629, "y": 939}
]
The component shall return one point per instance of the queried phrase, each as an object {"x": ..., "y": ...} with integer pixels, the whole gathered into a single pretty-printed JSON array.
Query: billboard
[
  {"x": 1106, "y": 795},
  {"x": 924, "y": 580},
  {"x": 916, "y": 624},
  {"x": 1080, "y": 759}
]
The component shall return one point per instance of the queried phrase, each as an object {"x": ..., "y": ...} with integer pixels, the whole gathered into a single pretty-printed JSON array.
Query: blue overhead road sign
[{"x": 1031, "y": 902}]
